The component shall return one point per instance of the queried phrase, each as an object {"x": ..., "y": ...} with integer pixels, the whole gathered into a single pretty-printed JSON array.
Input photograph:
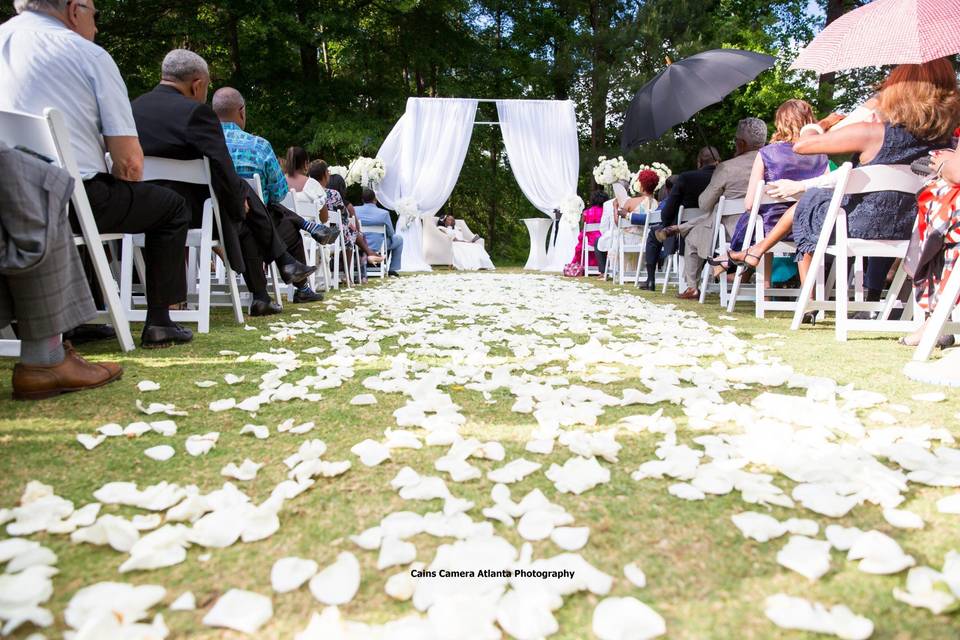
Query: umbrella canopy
[
  {"x": 686, "y": 87},
  {"x": 885, "y": 32}
]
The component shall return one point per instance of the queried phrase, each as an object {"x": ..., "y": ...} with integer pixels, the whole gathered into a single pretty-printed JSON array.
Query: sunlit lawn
[{"x": 703, "y": 576}]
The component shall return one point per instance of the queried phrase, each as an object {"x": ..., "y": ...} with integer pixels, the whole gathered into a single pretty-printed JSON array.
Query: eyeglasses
[{"x": 96, "y": 12}]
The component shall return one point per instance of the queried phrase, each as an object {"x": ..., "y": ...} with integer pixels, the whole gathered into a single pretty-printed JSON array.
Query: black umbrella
[{"x": 686, "y": 87}]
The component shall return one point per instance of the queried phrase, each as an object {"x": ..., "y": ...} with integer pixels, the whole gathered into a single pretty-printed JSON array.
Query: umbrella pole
[{"x": 706, "y": 143}]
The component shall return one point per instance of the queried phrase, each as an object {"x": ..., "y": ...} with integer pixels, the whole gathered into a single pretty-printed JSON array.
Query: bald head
[{"x": 229, "y": 106}]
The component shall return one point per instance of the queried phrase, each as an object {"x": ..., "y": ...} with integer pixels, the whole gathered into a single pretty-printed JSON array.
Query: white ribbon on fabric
[{"x": 424, "y": 154}]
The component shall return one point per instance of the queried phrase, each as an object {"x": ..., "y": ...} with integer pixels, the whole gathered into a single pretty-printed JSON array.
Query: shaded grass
[{"x": 703, "y": 576}]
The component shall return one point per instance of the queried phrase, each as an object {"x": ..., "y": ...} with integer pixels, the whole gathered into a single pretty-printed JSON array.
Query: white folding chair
[
  {"x": 379, "y": 270},
  {"x": 755, "y": 231},
  {"x": 862, "y": 180},
  {"x": 48, "y": 136},
  {"x": 200, "y": 244},
  {"x": 674, "y": 262},
  {"x": 718, "y": 244},
  {"x": 278, "y": 286},
  {"x": 938, "y": 323},
  {"x": 585, "y": 249}
]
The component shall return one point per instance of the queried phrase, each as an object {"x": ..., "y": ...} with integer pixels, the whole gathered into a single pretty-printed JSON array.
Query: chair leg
[
  {"x": 939, "y": 317},
  {"x": 734, "y": 290},
  {"x": 108, "y": 287},
  {"x": 842, "y": 297},
  {"x": 893, "y": 293},
  {"x": 126, "y": 273},
  {"x": 760, "y": 277},
  {"x": 704, "y": 283}
]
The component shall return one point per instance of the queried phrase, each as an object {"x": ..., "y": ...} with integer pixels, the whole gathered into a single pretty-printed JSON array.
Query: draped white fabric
[
  {"x": 423, "y": 155},
  {"x": 541, "y": 141}
]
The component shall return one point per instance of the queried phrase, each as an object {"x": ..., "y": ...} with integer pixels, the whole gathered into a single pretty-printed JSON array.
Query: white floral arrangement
[
  {"x": 367, "y": 172},
  {"x": 570, "y": 211},
  {"x": 662, "y": 170},
  {"x": 407, "y": 212},
  {"x": 338, "y": 170},
  {"x": 610, "y": 170}
]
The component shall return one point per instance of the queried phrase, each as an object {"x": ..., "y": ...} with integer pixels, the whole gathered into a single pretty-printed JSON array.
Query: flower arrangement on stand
[
  {"x": 338, "y": 170},
  {"x": 367, "y": 172},
  {"x": 610, "y": 170},
  {"x": 407, "y": 212},
  {"x": 662, "y": 171},
  {"x": 570, "y": 210}
]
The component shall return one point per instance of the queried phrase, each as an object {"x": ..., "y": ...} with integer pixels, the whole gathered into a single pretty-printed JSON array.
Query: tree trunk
[
  {"x": 233, "y": 29},
  {"x": 494, "y": 143},
  {"x": 308, "y": 50},
  {"x": 599, "y": 75}
]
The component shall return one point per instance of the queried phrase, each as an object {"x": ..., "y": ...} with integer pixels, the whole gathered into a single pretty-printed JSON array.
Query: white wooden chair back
[
  {"x": 850, "y": 181},
  {"x": 586, "y": 248},
  {"x": 200, "y": 243},
  {"x": 718, "y": 244},
  {"x": 754, "y": 234},
  {"x": 48, "y": 136},
  {"x": 380, "y": 270}
]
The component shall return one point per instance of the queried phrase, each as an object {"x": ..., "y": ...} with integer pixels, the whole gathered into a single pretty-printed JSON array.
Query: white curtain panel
[
  {"x": 423, "y": 156},
  {"x": 541, "y": 141}
]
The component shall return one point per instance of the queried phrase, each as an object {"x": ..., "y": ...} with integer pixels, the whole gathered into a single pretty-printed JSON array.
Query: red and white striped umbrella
[{"x": 885, "y": 32}]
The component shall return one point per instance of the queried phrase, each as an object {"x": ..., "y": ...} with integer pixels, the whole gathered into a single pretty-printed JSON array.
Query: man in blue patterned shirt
[{"x": 254, "y": 155}]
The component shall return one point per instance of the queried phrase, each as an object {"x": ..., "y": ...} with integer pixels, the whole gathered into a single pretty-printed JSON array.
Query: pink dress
[{"x": 591, "y": 215}]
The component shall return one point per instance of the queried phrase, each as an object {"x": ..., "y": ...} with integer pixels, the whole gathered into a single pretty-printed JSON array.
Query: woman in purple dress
[{"x": 777, "y": 161}]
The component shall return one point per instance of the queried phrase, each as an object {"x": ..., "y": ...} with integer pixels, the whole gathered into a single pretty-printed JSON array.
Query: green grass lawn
[{"x": 703, "y": 576}]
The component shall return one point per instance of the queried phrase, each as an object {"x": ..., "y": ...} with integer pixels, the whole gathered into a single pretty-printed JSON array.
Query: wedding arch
[{"x": 424, "y": 155}]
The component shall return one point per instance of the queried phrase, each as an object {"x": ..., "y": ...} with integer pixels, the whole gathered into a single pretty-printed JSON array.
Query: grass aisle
[{"x": 703, "y": 576}]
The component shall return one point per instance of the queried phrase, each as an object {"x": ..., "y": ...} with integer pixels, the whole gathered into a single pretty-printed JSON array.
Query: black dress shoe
[
  {"x": 326, "y": 234},
  {"x": 307, "y": 295},
  {"x": 650, "y": 285},
  {"x": 90, "y": 333},
  {"x": 295, "y": 273},
  {"x": 156, "y": 336},
  {"x": 333, "y": 232},
  {"x": 393, "y": 274},
  {"x": 263, "y": 308}
]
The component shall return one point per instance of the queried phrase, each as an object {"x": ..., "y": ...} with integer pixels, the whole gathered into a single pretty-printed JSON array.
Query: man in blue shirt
[
  {"x": 370, "y": 214},
  {"x": 254, "y": 155}
]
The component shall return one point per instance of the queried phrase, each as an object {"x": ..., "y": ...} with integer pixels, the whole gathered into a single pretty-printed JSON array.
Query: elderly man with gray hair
[
  {"x": 730, "y": 179},
  {"x": 48, "y": 59},
  {"x": 175, "y": 121}
]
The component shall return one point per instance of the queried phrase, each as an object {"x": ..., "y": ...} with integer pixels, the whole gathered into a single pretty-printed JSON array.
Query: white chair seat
[{"x": 876, "y": 248}]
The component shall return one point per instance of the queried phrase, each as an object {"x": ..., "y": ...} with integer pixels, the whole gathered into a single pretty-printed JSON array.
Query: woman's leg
[{"x": 781, "y": 230}]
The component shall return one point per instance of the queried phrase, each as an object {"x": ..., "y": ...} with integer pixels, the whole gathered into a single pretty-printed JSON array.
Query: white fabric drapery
[
  {"x": 540, "y": 137},
  {"x": 423, "y": 155}
]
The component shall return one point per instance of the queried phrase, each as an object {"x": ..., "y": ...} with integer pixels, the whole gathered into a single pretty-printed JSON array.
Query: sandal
[
  {"x": 747, "y": 267},
  {"x": 809, "y": 318},
  {"x": 718, "y": 262}
]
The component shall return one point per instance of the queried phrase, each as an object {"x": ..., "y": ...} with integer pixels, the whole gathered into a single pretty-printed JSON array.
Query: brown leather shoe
[
  {"x": 690, "y": 294},
  {"x": 666, "y": 232},
  {"x": 33, "y": 382}
]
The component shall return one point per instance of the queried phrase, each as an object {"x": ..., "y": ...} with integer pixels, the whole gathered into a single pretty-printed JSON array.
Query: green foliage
[{"x": 334, "y": 76}]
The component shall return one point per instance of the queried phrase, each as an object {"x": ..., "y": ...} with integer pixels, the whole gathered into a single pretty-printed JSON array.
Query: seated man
[
  {"x": 370, "y": 214},
  {"x": 686, "y": 191},
  {"x": 174, "y": 121},
  {"x": 730, "y": 179},
  {"x": 42, "y": 285},
  {"x": 48, "y": 59},
  {"x": 253, "y": 155}
]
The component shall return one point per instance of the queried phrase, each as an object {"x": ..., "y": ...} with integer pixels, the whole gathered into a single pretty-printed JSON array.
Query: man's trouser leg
[{"x": 396, "y": 247}]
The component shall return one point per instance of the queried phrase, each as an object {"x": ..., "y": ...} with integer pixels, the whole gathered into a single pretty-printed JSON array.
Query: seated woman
[
  {"x": 336, "y": 194},
  {"x": 591, "y": 215},
  {"x": 938, "y": 229},
  {"x": 919, "y": 106},
  {"x": 295, "y": 167},
  {"x": 636, "y": 208},
  {"x": 776, "y": 161},
  {"x": 467, "y": 254}
]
